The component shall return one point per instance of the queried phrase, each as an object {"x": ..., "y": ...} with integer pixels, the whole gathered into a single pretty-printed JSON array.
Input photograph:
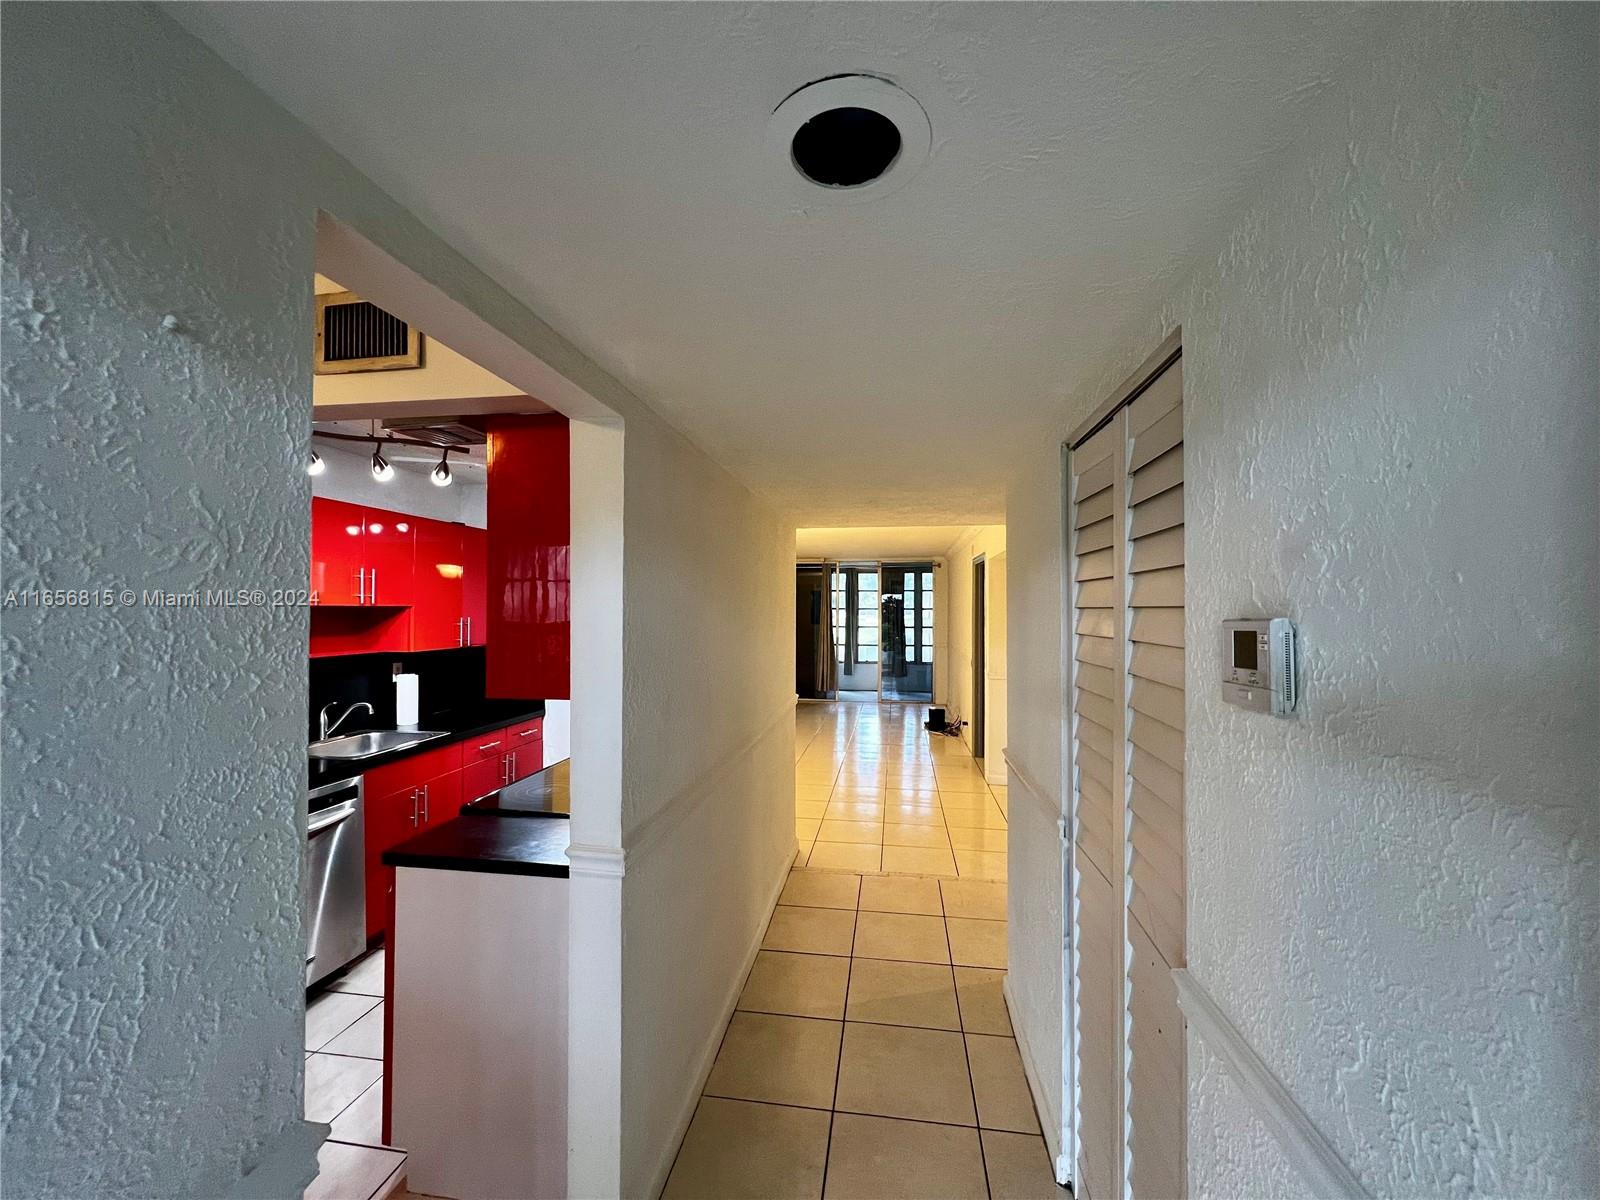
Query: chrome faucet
[{"x": 327, "y": 729}]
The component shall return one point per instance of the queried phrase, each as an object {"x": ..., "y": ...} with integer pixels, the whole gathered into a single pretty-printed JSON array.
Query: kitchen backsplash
[{"x": 449, "y": 680}]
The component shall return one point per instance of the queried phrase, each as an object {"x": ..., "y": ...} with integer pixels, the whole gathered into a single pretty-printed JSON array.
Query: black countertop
[
  {"x": 532, "y": 846},
  {"x": 543, "y": 794},
  {"x": 458, "y": 723}
]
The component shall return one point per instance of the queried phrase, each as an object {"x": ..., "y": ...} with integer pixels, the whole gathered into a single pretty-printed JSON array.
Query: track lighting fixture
[
  {"x": 316, "y": 466},
  {"x": 381, "y": 470},
  {"x": 440, "y": 475}
]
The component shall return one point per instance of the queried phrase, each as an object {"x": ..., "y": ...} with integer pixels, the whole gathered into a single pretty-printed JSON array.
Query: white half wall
[{"x": 1391, "y": 432}]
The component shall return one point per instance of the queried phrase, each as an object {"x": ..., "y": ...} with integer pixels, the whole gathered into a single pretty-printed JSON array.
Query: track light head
[
  {"x": 440, "y": 475},
  {"x": 316, "y": 466},
  {"x": 381, "y": 470}
]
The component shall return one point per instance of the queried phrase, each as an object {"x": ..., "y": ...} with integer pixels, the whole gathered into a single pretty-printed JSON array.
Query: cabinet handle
[
  {"x": 413, "y": 806},
  {"x": 374, "y": 599},
  {"x": 425, "y": 817},
  {"x": 513, "y": 778},
  {"x": 461, "y": 631},
  {"x": 361, "y": 586},
  {"x": 527, "y": 733},
  {"x": 469, "y": 631},
  {"x": 487, "y": 746}
]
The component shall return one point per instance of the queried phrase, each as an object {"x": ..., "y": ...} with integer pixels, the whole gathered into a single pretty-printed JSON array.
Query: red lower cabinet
[
  {"x": 482, "y": 776},
  {"x": 399, "y": 800},
  {"x": 391, "y": 819}
]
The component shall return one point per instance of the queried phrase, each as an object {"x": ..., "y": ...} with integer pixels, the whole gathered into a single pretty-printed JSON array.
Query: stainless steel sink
[{"x": 366, "y": 745}]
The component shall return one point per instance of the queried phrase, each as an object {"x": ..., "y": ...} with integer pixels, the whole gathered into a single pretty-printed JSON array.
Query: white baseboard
[
  {"x": 1049, "y": 1117},
  {"x": 708, "y": 1055}
]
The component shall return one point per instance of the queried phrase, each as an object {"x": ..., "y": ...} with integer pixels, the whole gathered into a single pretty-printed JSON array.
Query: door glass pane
[{"x": 905, "y": 659}]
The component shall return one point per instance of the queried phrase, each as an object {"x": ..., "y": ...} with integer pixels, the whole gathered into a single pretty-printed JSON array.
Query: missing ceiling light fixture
[{"x": 850, "y": 137}]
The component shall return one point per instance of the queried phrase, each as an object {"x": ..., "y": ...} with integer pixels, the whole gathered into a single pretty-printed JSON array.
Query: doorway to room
[{"x": 873, "y": 638}]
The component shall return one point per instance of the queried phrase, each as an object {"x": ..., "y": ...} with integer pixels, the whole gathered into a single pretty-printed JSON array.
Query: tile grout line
[
  {"x": 966, "y": 1057},
  {"x": 844, "y": 1011}
]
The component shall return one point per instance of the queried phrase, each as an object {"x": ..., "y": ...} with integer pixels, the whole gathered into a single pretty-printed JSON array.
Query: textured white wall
[
  {"x": 1390, "y": 397},
  {"x": 154, "y": 771}
]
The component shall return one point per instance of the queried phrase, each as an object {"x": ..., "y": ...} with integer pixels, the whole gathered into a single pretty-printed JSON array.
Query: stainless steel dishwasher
[{"x": 336, "y": 878}]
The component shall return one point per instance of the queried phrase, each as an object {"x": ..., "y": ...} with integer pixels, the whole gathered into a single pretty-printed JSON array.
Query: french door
[{"x": 1126, "y": 551}]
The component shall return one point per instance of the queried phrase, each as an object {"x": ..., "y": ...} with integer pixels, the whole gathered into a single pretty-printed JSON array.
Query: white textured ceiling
[{"x": 870, "y": 363}]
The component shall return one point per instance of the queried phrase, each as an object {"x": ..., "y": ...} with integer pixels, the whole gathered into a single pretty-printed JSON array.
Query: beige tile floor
[
  {"x": 344, "y": 1086},
  {"x": 871, "y": 1054},
  {"x": 875, "y": 793}
]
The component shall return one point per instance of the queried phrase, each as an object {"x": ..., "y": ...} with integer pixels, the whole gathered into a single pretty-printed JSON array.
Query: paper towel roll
[{"x": 405, "y": 701}]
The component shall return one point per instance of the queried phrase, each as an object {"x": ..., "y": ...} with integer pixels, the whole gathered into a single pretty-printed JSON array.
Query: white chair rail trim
[
  {"x": 1047, "y": 805},
  {"x": 1303, "y": 1144},
  {"x": 605, "y": 862},
  {"x": 649, "y": 833}
]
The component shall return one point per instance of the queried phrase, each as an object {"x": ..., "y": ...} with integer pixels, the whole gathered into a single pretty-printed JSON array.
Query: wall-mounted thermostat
[{"x": 1259, "y": 665}]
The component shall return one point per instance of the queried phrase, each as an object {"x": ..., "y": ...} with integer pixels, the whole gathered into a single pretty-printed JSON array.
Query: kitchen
[{"x": 438, "y": 731}]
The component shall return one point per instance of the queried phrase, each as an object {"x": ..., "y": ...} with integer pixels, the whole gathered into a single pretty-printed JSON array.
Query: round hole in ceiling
[
  {"x": 846, "y": 147},
  {"x": 849, "y": 137}
]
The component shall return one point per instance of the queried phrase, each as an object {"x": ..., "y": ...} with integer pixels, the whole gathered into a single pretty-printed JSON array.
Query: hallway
[
  {"x": 871, "y": 1054},
  {"x": 875, "y": 792}
]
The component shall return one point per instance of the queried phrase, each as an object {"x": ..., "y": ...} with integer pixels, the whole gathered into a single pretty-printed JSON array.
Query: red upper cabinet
[
  {"x": 530, "y": 542},
  {"x": 475, "y": 584},
  {"x": 438, "y": 617},
  {"x": 337, "y": 567},
  {"x": 389, "y": 544}
]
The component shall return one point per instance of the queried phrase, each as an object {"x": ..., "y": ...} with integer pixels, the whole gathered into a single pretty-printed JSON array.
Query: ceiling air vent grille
[{"x": 355, "y": 335}]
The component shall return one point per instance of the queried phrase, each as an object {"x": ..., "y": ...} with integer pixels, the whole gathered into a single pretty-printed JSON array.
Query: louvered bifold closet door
[
  {"x": 1098, "y": 549},
  {"x": 1126, "y": 541},
  {"x": 1155, "y": 736}
]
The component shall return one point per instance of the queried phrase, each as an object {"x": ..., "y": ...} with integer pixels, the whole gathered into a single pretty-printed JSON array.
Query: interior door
[
  {"x": 1127, "y": 557},
  {"x": 811, "y": 611}
]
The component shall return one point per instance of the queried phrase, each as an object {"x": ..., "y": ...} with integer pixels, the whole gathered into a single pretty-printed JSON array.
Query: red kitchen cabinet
[
  {"x": 475, "y": 583},
  {"x": 527, "y": 749},
  {"x": 482, "y": 776},
  {"x": 337, "y": 568},
  {"x": 440, "y": 799},
  {"x": 529, "y": 577},
  {"x": 390, "y": 820},
  {"x": 399, "y": 800},
  {"x": 392, "y": 582},
  {"x": 389, "y": 542},
  {"x": 438, "y": 613}
]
